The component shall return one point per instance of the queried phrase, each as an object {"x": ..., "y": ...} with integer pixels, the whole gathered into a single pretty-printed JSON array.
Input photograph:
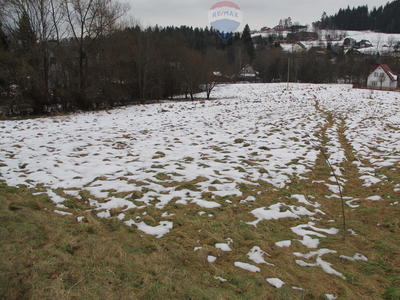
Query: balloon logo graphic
[{"x": 225, "y": 17}]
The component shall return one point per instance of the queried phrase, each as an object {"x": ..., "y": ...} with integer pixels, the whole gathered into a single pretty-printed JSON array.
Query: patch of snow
[
  {"x": 104, "y": 214},
  {"x": 374, "y": 198},
  {"x": 246, "y": 266},
  {"x": 248, "y": 199},
  {"x": 256, "y": 255},
  {"x": 206, "y": 204},
  {"x": 302, "y": 199},
  {"x": 356, "y": 256},
  {"x": 274, "y": 212},
  {"x": 350, "y": 203},
  {"x": 220, "y": 278},
  {"x": 211, "y": 258},
  {"x": 223, "y": 246},
  {"x": 64, "y": 213},
  {"x": 352, "y": 232},
  {"x": 276, "y": 282},
  {"x": 326, "y": 266},
  {"x": 157, "y": 231},
  {"x": 285, "y": 243}
]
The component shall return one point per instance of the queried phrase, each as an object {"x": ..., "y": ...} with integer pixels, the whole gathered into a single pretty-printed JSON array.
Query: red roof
[{"x": 387, "y": 70}]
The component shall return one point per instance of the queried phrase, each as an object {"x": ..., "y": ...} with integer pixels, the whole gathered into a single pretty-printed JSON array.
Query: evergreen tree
[
  {"x": 25, "y": 34},
  {"x": 385, "y": 18},
  {"x": 3, "y": 39},
  {"x": 248, "y": 42},
  {"x": 4, "y": 60}
]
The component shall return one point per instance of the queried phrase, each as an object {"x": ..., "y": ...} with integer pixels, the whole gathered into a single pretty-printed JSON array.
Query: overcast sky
[{"x": 256, "y": 13}]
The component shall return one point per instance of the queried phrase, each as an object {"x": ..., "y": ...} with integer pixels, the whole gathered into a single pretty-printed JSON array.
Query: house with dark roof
[
  {"x": 382, "y": 77},
  {"x": 363, "y": 44},
  {"x": 248, "y": 74}
]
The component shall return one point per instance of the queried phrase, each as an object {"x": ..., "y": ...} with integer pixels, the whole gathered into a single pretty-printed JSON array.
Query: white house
[
  {"x": 298, "y": 47},
  {"x": 381, "y": 77}
]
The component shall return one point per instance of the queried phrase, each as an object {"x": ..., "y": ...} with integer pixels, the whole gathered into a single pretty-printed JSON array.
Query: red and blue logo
[{"x": 225, "y": 17}]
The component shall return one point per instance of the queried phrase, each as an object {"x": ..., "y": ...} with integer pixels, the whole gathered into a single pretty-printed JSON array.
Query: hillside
[
  {"x": 229, "y": 198},
  {"x": 381, "y": 42},
  {"x": 384, "y": 18}
]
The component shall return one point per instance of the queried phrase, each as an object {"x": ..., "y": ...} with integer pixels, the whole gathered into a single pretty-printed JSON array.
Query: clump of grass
[
  {"x": 159, "y": 154},
  {"x": 240, "y": 169},
  {"x": 248, "y": 162},
  {"x": 162, "y": 176},
  {"x": 218, "y": 149},
  {"x": 157, "y": 166}
]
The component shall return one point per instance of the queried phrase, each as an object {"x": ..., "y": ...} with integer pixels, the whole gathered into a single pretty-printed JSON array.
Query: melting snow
[
  {"x": 211, "y": 258},
  {"x": 157, "y": 231},
  {"x": 152, "y": 154},
  {"x": 256, "y": 255},
  {"x": 220, "y": 278},
  {"x": 247, "y": 267},
  {"x": 286, "y": 243},
  {"x": 356, "y": 256},
  {"x": 276, "y": 282}
]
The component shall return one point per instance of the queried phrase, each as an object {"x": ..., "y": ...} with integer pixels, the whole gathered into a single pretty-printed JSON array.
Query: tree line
[
  {"x": 384, "y": 19},
  {"x": 69, "y": 55}
]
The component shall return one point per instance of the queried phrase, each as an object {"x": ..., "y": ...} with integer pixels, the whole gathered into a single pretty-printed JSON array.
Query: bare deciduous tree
[
  {"x": 88, "y": 20},
  {"x": 381, "y": 78}
]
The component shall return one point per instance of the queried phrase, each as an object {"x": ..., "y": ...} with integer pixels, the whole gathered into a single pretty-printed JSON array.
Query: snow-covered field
[{"x": 252, "y": 132}]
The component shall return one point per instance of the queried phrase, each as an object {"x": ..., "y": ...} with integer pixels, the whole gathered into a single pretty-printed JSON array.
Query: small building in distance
[
  {"x": 248, "y": 74},
  {"x": 298, "y": 47}
]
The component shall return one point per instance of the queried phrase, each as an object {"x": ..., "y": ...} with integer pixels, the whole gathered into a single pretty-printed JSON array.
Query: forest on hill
[
  {"x": 58, "y": 57},
  {"x": 384, "y": 18}
]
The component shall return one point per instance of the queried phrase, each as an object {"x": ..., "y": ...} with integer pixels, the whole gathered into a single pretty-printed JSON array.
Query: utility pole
[{"x": 288, "y": 72}]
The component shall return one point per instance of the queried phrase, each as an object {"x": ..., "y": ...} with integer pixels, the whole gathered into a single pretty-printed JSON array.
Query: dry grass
[{"x": 47, "y": 256}]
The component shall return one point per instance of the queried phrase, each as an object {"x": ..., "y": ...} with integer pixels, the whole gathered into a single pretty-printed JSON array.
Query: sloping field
[{"x": 229, "y": 198}]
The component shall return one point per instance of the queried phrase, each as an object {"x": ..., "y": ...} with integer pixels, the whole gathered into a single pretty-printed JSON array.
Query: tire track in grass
[
  {"x": 315, "y": 236},
  {"x": 322, "y": 188},
  {"x": 370, "y": 223},
  {"x": 373, "y": 218}
]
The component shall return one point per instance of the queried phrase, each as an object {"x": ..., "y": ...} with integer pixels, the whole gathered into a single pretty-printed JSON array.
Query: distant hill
[{"x": 384, "y": 19}]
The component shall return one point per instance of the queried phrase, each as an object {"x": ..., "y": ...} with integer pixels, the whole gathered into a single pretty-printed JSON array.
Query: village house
[
  {"x": 248, "y": 74},
  {"x": 279, "y": 28},
  {"x": 298, "y": 47},
  {"x": 265, "y": 28},
  {"x": 382, "y": 77},
  {"x": 363, "y": 44},
  {"x": 349, "y": 42}
]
